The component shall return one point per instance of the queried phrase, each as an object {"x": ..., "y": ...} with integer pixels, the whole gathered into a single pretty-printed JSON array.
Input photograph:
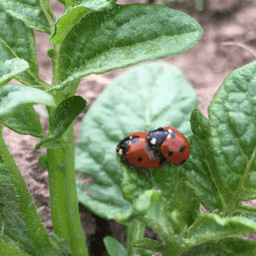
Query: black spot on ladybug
[
  {"x": 139, "y": 159},
  {"x": 182, "y": 147},
  {"x": 170, "y": 153}
]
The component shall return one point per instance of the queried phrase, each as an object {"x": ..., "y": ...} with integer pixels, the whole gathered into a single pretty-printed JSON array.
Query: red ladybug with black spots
[
  {"x": 171, "y": 143},
  {"x": 137, "y": 152}
]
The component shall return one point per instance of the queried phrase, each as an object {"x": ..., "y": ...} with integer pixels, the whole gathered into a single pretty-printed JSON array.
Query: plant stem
[
  {"x": 57, "y": 195},
  {"x": 64, "y": 202},
  {"x": 135, "y": 231},
  {"x": 37, "y": 230},
  {"x": 77, "y": 240}
]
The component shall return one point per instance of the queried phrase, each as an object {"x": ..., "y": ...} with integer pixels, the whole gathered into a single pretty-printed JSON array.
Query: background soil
[{"x": 205, "y": 66}]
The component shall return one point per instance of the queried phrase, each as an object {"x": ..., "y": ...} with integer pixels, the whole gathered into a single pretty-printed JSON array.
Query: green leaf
[
  {"x": 149, "y": 244},
  {"x": 15, "y": 97},
  {"x": 25, "y": 122},
  {"x": 62, "y": 117},
  {"x": 230, "y": 246},
  {"x": 43, "y": 161},
  {"x": 23, "y": 48},
  {"x": 239, "y": 246},
  {"x": 197, "y": 169},
  {"x": 137, "y": 100},
  {"x": 133, "y": 186},
  {"x": 11, "y": 218},
  {"x": 122, "y": 36},
  {"x": 114, "y": 247},
  {"x": 150, "y": 208},
  {"x": 213, "y": 248},
  {"x": 171, "y": 182},
  {"x": 63, "y": 244},
  {"x": 198, "y": 176},
  {"x": 75, "y": 12},
  {"x": 232, "y": 136},
  {"x": 210, "y": 226},
  {"x": 199, "y": 124},
  {"x": 66, "y": 22},
  {"x": 96, "y": 6},
  {"x": 9, "y": 250},
  {"x": 29, "y": 11},
  {"x": 11, "y": 68}
]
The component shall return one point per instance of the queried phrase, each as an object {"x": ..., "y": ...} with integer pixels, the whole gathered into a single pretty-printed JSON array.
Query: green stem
[
  {"x": 57, "y": 195},
  {"x": 77, "y": 240},
  {"x": 64, "y": 202},
  {"x": 62, "y": 179},
  {"x": 135, "y": 231},
  {"x": 37, "y": 230}
]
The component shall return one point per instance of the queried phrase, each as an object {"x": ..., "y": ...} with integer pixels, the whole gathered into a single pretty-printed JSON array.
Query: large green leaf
[
  {"x": 29, "y": 11},
  {"x": 18, "y": 41},
  {"x": 145, "y": 97},
  {"x": 15, "y": 97},
  {"x": 122, "y": 36},
  {"x": 232, "y": 136}
]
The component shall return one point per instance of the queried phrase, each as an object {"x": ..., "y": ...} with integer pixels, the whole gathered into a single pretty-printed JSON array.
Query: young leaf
[
  {"x": 24, "y": 48},
  {"x": 15, "y": 97},
  {"x": 25, "y": 122},
  {"x": 63, "y": 116},
  {"x": 43, "y": 161},
  {"x": 29, "y": 11},
  {"x": 122, "y": 36},
  {"x": 75, "y": 12},
  {"x": 151, "y": 208},
  {"x": 149, "y": 244},
  {"x": 66, "y": 22},
  {"x": 11, "y": 68},
  {"x": 137, "y": 99},
  {"x": 211, "y": 226},
  {"x": 114, "y": 247},
  {"x": 232, "y": 136}
]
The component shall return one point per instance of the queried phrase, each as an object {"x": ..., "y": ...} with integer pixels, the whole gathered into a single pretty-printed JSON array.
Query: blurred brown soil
[{"x": 205, "y": 66}]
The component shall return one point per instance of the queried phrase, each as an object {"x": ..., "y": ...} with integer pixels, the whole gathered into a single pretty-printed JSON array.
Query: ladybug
[
  {"x": 137, "y": 152},
  {"x": 172, "y": 144}
]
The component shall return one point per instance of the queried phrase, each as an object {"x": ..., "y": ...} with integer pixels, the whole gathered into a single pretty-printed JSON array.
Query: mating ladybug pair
[{"x": 154, "y": 149}]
